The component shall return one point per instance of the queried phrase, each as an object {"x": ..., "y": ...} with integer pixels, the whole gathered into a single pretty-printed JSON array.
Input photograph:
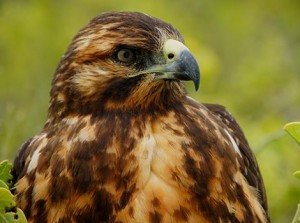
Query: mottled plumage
[{"x": 123, "y": 142}]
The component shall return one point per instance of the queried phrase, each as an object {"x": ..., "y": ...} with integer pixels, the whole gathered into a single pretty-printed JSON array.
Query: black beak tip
[
  {"x": 197, "y": 83},
  {"x": 194, "y": 75},
  {"x": 190, "y": 66},
  {"x": 196, "y": 78}
]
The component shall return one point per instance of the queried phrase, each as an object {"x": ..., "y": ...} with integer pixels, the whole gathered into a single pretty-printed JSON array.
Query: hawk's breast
[{"x": 163, "y": 184}]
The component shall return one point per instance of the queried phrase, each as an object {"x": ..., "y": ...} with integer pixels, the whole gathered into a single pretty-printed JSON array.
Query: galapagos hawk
[{"x": 124, "y": 143}]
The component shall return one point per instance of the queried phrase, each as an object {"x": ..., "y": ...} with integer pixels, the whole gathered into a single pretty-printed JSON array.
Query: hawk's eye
[{"x": 125, "y": 56}]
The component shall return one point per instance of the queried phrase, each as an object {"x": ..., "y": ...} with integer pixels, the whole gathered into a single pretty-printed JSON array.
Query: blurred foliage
[
  {"x": 248, "y": 51},
  {"x": 293, "y": 129},
  {"x": 297, "y": 215}
]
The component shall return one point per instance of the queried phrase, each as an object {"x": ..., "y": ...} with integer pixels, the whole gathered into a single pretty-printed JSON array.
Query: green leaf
[
  {"x": 8, "y": 211},
  {"x": 6, "y": 200},
  {"x": 2, "y": 184},
  {"x": 297, "y": 174},
  {"x": 5, "y": 175},
  {"x": 12, "y": 217},
  {"x": 293, "y": 129}
]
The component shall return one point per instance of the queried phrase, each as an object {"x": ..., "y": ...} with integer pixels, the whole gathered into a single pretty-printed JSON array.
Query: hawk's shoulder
[
  {"x": 20, "y": 160},
  {"x": 250, "y": 168}
]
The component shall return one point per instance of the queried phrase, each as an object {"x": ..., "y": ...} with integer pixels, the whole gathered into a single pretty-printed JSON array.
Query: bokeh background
[{"x": 248, "y": 51}]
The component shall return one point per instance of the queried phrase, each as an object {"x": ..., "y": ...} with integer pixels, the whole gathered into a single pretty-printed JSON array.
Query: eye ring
[{"x": 125, "y": 56}]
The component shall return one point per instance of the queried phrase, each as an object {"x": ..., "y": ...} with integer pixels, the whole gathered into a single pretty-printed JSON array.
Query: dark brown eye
[{"x": 125, "y": 56}]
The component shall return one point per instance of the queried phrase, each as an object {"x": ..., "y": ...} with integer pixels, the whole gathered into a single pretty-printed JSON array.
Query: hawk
[{"x": 124, "y": 143}]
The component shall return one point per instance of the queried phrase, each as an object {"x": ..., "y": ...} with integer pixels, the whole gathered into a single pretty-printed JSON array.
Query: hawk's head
[{"x": 122, "y": 60}]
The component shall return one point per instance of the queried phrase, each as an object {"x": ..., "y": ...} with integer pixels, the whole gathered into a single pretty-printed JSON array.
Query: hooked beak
[{"x": 179, "y": 64}]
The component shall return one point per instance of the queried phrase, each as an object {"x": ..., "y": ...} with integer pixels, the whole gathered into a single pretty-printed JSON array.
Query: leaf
[
  {"x": 5, "y": 175},
  {"x": 293, "y": 129},
  {"x": 8, "y": 211},
  {"x": 6, "y": 200},
  {"x": 297, "y": 174},
  {"x": 12, "y": 217},
  {"x": 2, "y": 184}
]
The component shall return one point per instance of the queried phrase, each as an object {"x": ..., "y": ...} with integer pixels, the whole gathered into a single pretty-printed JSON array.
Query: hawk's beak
[{"x": 178, "y": 64}]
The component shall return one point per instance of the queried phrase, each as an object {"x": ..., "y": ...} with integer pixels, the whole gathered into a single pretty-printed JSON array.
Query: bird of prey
[{"x": 124, "y": 143}]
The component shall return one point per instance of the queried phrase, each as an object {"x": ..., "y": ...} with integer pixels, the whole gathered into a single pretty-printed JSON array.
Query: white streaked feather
[
  {"x": 235, "y": 146},
  {"x": 34, "y": 160}
]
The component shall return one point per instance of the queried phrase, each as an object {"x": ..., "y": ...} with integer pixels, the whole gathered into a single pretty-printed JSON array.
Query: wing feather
[
  {"x": 20, "y": 160},
  {"x": 250, "y": 169}
]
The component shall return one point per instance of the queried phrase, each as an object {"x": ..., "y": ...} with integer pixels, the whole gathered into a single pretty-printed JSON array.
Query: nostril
[{"x": 171, "y": 56}]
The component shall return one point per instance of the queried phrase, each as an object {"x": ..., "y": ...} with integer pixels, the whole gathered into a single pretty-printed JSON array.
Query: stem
[{"x": 297, "y": 215}]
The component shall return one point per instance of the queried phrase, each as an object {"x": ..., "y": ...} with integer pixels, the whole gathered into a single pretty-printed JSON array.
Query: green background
[{"x": 248, "y": 51}]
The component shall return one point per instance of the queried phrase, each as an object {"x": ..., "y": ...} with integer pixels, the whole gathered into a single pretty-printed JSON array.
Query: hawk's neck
[{"x": 148, "y": 98}]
